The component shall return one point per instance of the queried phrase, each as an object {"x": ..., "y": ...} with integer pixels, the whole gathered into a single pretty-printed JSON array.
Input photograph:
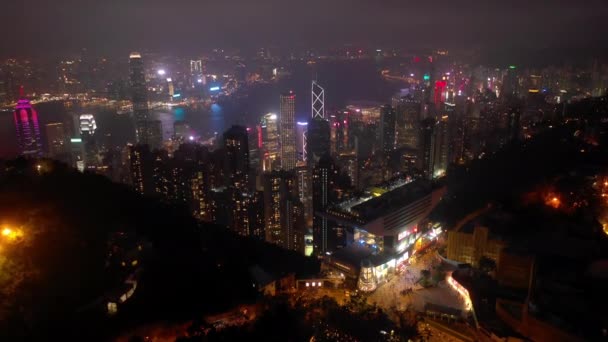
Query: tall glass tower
[
  {"x": 288, "y": 131},
  {"x": 139, "y": 97}
]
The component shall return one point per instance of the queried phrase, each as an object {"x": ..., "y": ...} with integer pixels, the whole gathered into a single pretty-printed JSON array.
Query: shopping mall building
[{"x": 384, "y": 228}]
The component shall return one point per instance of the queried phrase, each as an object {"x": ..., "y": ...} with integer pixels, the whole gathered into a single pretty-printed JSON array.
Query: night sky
[{"x": 33, "y": 26}]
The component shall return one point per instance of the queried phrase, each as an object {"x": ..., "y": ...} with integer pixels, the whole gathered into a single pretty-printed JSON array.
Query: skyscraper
[
  {"x": 87, "y": 127},
  {"x": 57, "y": 140},
  {"x": 318, "y": 101},
  {"x": 196, "y": 73},
  {"x": 269, "y": 141},
  {"x": 282, "y": 210},
  {"x": 139, "y": 97},
  {"x": 140, "y": 165},
  {"x": 288, "y": 131},
  {"x": 407, "y": 121},
  {"x": 442, "y": 146},
  {"x": 236, "y": 145},
  {"x": 155, "y": 139},
  {"x": 387, "y": 130},
  {"x": 323, "y": 178},
  {"x": 318, "y": 140},
  {"x": 27, "y": 128},
  {"x": 426, "y": 148}
]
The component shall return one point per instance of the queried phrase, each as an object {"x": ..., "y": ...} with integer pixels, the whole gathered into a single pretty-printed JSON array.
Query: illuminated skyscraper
[
  {"x": 236, "y": 146},
  {"x": 318, "y": 101},
  {"x": 27, "y": 128},
  {"x": 407, "y": 121},
  {"x": 140, "y": 165},
  {"x": 442, "y": 146},
  {"x": 268, "y": 140},
  {"x": 87, "y": 127},
  {"x": 282, "y": 209},
  {"x": 288, "y": 131},
  {"x": 139, "y": 97},
  {"x": 387, "y": 130},
  {"x": 57, "y": 140},
  {"x": 196, "y": 73},
  {"x": 301, "y": 139},
  {"x": 323, "y": 178},
  {"x": 426, "y": 148}
]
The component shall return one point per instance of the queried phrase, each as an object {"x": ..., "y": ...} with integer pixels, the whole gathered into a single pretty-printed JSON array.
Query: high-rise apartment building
[
  {"x": 236, "y": 146},
  {"x": 282, "y": 209}
]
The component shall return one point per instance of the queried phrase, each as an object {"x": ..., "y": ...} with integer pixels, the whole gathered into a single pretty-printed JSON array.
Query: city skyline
[{"x": 234, "y": 171}]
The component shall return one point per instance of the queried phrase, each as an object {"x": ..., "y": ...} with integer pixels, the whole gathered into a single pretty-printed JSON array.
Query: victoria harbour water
[{"x": 343, "y": 82}]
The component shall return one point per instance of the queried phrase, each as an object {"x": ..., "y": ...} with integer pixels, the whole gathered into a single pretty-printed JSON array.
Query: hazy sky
[{"x": 37, "y": 25}]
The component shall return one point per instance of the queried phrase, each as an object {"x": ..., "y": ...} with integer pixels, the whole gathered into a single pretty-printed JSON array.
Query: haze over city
[{"x": 303, "y": 171}]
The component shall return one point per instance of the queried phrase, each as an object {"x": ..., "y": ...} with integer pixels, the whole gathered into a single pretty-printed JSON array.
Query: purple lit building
[{"x": 28, "y": 129}]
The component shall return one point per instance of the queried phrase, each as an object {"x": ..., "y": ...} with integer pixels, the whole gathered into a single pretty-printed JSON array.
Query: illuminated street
[{"x": 391, "y": 296}]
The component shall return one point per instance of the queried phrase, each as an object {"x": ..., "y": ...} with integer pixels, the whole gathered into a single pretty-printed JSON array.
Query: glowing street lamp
[
  {"x": 11, "y": 234},
  {"x": 161, "y": 72}
]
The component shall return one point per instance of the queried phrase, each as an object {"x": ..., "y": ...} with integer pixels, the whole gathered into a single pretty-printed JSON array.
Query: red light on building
[
  {"x": 416, "y": 59},
  {"x": 440, "y": 87},
  {"x": 260, "y": 139}
]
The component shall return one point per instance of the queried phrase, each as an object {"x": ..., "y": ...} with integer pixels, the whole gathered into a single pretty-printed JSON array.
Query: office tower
[
  {"x": 139, "y": 97},
  {"x": 318, "y": 140},
  {"x": 406, "y": 122},
  {"x": 87, "y": 127},
  {"x": 181, "y": 130},
  {"x": 426, "y": 155},
  {"x": 236, "y": 146},
  {"x": 282, "y": 210},
  {"x": 339, "y": 125},
  {"x": 171, "y": 90},
  {"x": 387, "y": 130},
  {"x": 57, "y": 140},
  {"x": 269, "y": 140},
  {"x": 440, "y": 92},
  {"x": 442, "y": 144},
  {"x": 288, "y": 131},
  {"x": 303, "y": 177},
  {"x": 318, "y": 101},
  {"x": 77, "y": 153},
  {"x": 510, "y": 83},
  {"x": 323, "y": 179},
  {"x": 301, "y": 139},
  {"x": 196, "y": 73},
  {"x": 254, "y": 150},
  {"x": 140, "y": 165},
  {"x": 27, "y": 129},
  {"x": 156, "y": 134}
]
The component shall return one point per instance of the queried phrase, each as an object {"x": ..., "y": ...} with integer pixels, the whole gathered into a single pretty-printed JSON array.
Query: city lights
[{"x": 161, "y": 72}]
